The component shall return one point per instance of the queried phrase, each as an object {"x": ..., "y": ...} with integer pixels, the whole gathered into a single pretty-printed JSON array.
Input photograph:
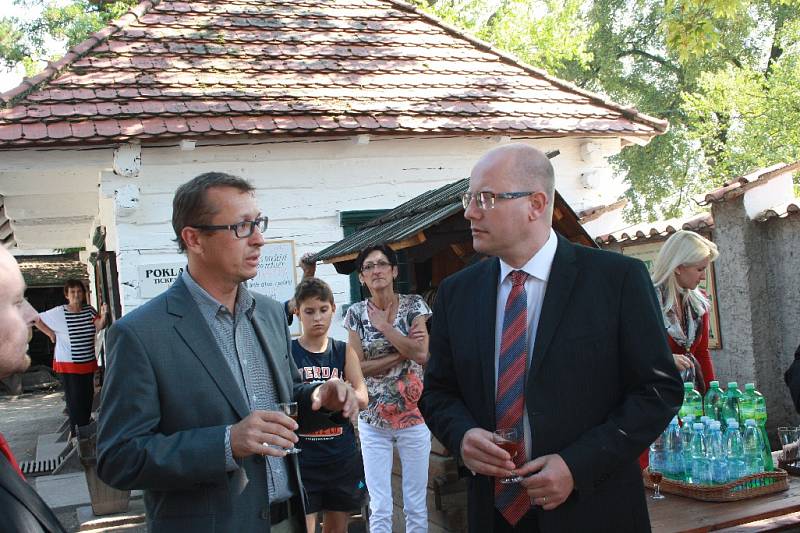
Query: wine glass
[
  {"x": 290, "y": 409},
  {"x": 510, "y": 439},
  {"x": 789, "y": 444},
  {"x": 655, "y": 478}
]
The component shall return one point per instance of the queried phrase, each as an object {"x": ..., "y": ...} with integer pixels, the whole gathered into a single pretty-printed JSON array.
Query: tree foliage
[
  {"x": 29, "y": 41},
  {"x": 723, "y": 72}
]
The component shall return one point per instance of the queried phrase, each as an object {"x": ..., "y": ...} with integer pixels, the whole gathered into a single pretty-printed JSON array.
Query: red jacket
[{"x": 700, "y": 352}]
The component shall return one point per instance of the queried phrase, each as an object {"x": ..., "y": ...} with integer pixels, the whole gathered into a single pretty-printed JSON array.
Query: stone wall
[{"x": 758, "y": 288}]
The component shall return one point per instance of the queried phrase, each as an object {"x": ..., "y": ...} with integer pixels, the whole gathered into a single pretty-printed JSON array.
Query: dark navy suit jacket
[{"x": 601, "y": 386}]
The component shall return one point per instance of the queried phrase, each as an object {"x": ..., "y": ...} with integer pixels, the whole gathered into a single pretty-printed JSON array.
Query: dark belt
[{"x": 278, "y": 512}]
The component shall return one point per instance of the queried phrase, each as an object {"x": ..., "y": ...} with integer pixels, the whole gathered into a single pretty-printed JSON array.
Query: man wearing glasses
[
  {"x": 559, "y": 343},
  {"x": 188, "y": 412}
]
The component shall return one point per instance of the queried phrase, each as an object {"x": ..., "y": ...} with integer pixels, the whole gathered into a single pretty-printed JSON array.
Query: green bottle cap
[
  {"x": 733, "y": 385},
  {"x": 688, "y": 385},
  {"x": 714, "y": 384},
  {"x": 749, "y": 386}
]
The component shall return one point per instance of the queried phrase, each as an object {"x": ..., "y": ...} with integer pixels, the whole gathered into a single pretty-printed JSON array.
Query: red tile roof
[
  {"x": 783, "y": 210},
  {"x": 659, "y": 229},
  {"x": 740, "y": 185},
  {"x": 214, "y": 67}
]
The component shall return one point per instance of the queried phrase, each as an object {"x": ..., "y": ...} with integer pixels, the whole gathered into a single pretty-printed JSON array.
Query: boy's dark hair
[
  {"x": 190, "y": 206},
  {"x": 312, "y": 288},
  {"x": 385, "y": 249}
]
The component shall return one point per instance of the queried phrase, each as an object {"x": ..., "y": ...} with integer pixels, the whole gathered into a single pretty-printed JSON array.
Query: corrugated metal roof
[{"x": 402, "y": 222}]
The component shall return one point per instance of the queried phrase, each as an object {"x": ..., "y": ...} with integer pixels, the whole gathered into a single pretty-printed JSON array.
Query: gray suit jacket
[{"x": 167, "y": 397}]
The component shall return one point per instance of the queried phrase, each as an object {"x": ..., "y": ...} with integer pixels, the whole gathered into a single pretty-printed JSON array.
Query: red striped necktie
[
  {"x": 5, "y": 449},
  {"x": 511, "y": 499}
]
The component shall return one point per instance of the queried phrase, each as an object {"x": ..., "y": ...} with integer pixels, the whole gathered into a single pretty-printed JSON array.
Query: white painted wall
[
  {"x": 55, "y": 197},
  {"x": 776, "y": 191},
  {"x": 606, "y": 223},
  {"x": 303, "y": 185},
  {"x": 50, "y": 195}
]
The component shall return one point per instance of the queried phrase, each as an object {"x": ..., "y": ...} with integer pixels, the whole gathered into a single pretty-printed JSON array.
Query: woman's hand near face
[{"x": 381, "y": 319}]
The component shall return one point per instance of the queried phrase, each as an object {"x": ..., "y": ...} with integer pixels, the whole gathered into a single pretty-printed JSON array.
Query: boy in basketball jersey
[{"x": 330, "y": 463}]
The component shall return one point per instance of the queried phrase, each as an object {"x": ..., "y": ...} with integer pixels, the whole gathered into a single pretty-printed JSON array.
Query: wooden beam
[{"x": 414, "y": 240}]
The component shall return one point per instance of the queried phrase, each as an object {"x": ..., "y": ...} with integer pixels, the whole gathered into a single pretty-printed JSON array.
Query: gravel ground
[{"x": 22, "y": 419}]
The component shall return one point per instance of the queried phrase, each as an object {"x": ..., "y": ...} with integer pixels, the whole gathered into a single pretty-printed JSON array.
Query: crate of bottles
[{"x": 741, "y": 489}]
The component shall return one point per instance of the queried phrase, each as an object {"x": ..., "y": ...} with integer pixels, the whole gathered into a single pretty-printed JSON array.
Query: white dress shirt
[{"x": 538, "y": 270}]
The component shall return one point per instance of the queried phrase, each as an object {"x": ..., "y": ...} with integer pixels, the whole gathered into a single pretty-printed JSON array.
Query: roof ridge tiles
[
  {"x": 627, "y": 111},
  {"x": 28, "y": 85}
]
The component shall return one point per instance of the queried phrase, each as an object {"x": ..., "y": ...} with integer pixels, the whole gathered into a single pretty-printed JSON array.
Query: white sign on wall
[
  {"x": 276, "y": 275},
  {"x": 155, "y": 279}
]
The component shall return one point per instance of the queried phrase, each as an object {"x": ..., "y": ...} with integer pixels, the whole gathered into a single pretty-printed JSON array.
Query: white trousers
[{"x": 414, "y": 448}]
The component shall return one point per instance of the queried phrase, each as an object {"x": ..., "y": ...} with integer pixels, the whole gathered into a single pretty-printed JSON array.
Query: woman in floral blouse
[
  {"x": 388, "y": 332},
  {"x": 679, "y": 268}
]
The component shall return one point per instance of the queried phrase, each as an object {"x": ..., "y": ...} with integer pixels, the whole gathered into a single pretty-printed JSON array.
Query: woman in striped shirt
[{"x": 72, "y": 327}]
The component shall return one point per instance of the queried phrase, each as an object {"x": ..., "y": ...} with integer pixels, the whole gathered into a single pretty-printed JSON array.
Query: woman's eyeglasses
[{"x": 369, "y": 267}]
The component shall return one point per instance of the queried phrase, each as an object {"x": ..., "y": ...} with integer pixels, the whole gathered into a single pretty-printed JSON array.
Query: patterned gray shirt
[{"x": 245, "y": 356}]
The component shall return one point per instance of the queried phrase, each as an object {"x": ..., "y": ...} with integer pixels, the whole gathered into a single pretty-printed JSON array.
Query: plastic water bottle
[
  {"x": 716, "y": 454},
  {"x": 734, "y": 451},
  {"x": 730, "y": 407},
  {"x": 747, "y": 407},
  {"x": 673, "y": 442},
  {"x": 712, "y": 403},
  {"x": 701, "y": 466},
  {"x": 759, "y": 414},
  {"x": 692, "y": 402},
  {"x": 687, "y": 432},
  {"x": 753, "y": 447},
  {"x": 706, "y": 421},
  {"x": 657, "y": 457}
]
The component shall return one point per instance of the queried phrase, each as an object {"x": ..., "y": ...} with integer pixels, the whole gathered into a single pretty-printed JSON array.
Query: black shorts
[{"x": 335, "y": 486}]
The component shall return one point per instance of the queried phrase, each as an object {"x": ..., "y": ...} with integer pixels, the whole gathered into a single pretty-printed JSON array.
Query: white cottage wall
[
  {"x": 303, "y": 185},
  {"x": 50, "y": 195}
]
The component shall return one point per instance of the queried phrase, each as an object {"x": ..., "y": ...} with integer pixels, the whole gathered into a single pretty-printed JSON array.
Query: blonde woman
[{"x": 678, "y": 270}]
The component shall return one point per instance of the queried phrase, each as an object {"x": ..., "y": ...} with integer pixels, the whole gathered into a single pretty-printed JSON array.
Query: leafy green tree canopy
[
  {"x": 28, "y": 41},
  {"x": 723, "y": 72}
]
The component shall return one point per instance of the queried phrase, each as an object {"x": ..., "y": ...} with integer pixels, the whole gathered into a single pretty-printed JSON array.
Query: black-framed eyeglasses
[
  {"x": 485, "y": 199},
  {"x": 242, "y": 229}
]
